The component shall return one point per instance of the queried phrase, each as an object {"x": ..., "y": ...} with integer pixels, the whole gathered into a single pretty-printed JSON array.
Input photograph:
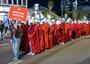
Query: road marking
[
  {"x": 19, "y": 61},
  {"x": 5, "y": 44}
]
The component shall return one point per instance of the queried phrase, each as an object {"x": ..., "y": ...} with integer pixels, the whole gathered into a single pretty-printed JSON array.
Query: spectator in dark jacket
[{"x": 1, "y": 30}]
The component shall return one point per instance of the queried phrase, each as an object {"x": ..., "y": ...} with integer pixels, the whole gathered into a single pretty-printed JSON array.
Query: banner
[{"x": 18, "y": 13}]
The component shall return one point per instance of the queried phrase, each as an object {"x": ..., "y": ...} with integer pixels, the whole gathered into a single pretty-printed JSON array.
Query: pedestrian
[
  {"x": 15, "y": 40},
  {"x": 1, "y": 30},
  {"x": 6, "y": 24}
]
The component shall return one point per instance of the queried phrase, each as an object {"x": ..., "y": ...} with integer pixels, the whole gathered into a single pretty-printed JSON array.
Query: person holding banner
[{"x": 15, "y": 40}]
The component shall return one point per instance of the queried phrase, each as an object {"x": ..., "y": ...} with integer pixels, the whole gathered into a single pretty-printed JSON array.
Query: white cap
[
  {"x": 63, "y": 19},
  {"x": 50, "y": 23},
  {"x": 53, "y": 20},
  {"x": 79, "y": 21},
  {"x": 75, "y": 21},
  {"x": 32, "y": 20},
  {"x": 69, "y": 20},
  {"x": 41, "y": 22},
  {"x": 58, "y": 22},
  {"x": 36, "y": 6}
]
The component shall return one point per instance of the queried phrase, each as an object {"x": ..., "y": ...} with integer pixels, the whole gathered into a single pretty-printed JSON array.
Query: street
[
  {"x": 54, "y": 31},
  {"x": 74, "y": 52}
]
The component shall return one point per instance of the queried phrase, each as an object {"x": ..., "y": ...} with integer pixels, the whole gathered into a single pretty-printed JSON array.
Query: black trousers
[{"x": 6, "y": 28}]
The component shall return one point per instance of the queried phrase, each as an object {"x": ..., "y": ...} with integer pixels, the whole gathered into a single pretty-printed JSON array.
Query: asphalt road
[
  {"x": 78, "y": 53},
  {"x": 5, "y": 51},
  {"x": 74, "y": 52}
]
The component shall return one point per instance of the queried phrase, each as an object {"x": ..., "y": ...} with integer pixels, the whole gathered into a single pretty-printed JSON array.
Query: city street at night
[{"x": 44, "y": 31}]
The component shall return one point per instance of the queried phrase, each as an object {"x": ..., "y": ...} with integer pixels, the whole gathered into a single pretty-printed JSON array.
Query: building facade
[{"x": 5, "y": 6}]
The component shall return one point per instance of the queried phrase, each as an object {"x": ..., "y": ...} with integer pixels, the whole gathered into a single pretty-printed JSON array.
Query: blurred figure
[
  {"x": 6, "y": 24},
  {"x": 1, "y": 30},
  {"x": 24, "y": 44}
]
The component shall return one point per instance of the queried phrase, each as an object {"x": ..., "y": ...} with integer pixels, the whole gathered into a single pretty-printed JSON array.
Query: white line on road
[{"x": 19, "y": 61}]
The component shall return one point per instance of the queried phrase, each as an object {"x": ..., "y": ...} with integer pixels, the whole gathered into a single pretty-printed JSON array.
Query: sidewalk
[{"x": 6, "y": 38}]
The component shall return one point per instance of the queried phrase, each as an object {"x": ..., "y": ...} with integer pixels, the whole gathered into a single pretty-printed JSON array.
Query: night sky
[
  {"x": 44, "y": 3},
  {"x": 57, "y": 4}
]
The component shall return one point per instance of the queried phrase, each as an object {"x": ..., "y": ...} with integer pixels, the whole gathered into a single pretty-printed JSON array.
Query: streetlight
[
  {"x": 62, "y": 7},
  {"x": 86, "y": 0},
  {"x": 75, "y": 7}
]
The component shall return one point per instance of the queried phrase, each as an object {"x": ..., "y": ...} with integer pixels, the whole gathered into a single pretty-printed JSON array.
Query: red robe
[
  {"x": 78, "y": 30},
  {"x": 51, "y": 38},
  {"x": 68, "y": 33},
  {"x": 46, "y": 35},
  {"x": 59, "y": 34},
  {"x": 24, "y": 45},
  {"x": 85, "y": 29},
  {"x": 89, "y": 28},
  {"x": 55, "y": 33},
  {"x": 64, "y": 31},
  {"x": 31, "y": 34},
  {"x": 41, "y": 38},
  {"x": 37, "y": 43}
]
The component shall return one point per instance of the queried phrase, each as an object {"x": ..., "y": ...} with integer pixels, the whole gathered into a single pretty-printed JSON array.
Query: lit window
[{"x": 4, "y": 1}]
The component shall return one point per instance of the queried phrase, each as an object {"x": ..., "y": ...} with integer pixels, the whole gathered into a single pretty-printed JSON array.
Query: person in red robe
[
  {"x": 68, "y": 31},
  {"x": 31, "y": 35},
  {"x": 51, "y": 34},
  {"x": 46, "y": 35},
  {"x": 55, "y": 32},
  {"x": 37, "y": 43},
  {"x": 24, "y": 46},
  {"x": 58, "y": 32},
  {"x": 73, "y": 33},
  {"x": 64, "y": 32},
  {"x": 85, "y": 29},
  {"x": 78, "y": 30},
  {"x": 89, "y": 27},
  {"x": 41, "y": 37}
]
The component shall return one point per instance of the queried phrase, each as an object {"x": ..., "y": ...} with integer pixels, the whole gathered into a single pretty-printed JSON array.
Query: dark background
[{"x": 57, "y": 4}]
